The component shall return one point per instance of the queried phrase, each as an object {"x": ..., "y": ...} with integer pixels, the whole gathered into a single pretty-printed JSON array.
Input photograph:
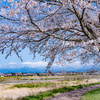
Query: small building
[{"x": 1, "y": 75}]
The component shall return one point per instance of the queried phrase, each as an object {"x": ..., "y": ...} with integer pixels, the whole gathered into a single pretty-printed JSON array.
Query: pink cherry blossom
[{"x": 56, "y": 29}]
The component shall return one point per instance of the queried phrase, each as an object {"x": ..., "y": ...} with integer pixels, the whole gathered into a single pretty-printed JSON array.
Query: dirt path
[{"x": 74, "y": 94}]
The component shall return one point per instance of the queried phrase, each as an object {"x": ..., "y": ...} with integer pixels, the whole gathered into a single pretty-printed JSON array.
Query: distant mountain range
[{"x": 28, "y": 69}]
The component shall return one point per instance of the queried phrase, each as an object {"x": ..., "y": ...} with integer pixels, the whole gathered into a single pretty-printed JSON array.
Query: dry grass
[{"x": 17, "y": 92}]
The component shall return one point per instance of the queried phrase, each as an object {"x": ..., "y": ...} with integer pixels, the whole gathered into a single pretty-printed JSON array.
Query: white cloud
[
  {"x": 39, "y": 64},
  {"x": 35, "y": 64},
  {"x": 76, "y": 64},
  {"x": 12, "y": 62}
]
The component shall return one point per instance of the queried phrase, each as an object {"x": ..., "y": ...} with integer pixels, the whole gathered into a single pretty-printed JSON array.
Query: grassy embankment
[
  {"x": 59, "y": 83},
  {"x": 66, "y": 77},
  {"x": 14, "y": 78},
  {"x": 10, "y": 78},
  {"x": 50, "y": 93},
  {"x": 92, "y": 95},
  {"x": 32, "y": 85}
]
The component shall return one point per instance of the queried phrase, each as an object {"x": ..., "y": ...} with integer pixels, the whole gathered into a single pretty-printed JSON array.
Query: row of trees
[{"x": 62, "y": 29}]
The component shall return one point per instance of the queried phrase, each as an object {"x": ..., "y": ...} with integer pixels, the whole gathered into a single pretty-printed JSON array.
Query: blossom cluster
[{"x": 63, "y": 29}]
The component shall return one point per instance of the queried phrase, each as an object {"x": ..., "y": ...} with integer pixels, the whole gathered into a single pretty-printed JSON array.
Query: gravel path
[{"x": 74, "y": 94}]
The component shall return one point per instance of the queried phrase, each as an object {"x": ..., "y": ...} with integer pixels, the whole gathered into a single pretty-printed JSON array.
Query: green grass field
[{"x": 92, "y": 95}]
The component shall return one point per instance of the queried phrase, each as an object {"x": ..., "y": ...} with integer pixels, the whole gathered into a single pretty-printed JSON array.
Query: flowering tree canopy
[{"x": 62, "y": 29}]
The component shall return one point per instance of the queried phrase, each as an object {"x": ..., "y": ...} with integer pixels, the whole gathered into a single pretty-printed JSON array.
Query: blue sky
[
  {"x": 27, "y": 59},
  {"x": 25, "y": 56}
]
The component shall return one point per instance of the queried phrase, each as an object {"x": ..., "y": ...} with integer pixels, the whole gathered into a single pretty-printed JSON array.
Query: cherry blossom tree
[{"x": 61, "y": 29}]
